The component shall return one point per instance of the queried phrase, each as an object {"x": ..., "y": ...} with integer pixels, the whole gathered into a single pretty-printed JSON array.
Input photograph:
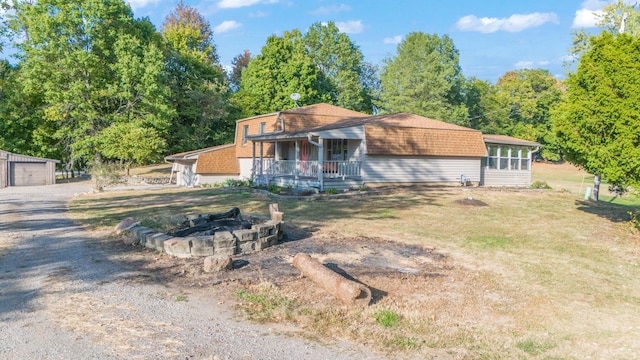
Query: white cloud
[
  {"x": 138, "y": 4},
  {"x": 568, "y": 58},
  {"x": 393, "y": 40},
  {"x": 586, "y": 18},
  {"x": 589, "y": 14},
  {"x": 594, "y": 4},
  {"x": 226, "y": 26},
  {"x": 232, "y": 4},
  {"x": 530, "y": 64},
  {"x": 326, "y": 10},
  {"x": 514, "y": 23},
  {"x": 258, "y": 14},
  {"x": 524, "y": 65},
  {"x": 350, "y": 27}
]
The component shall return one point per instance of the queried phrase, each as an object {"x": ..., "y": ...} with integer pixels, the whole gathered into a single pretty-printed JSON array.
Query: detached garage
[{"x": 24, "y": 170}]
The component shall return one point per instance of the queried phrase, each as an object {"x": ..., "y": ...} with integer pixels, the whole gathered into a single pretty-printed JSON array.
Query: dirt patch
[
  {"x": 469, "y": 201},
  {"x": 359, "y": 258}
]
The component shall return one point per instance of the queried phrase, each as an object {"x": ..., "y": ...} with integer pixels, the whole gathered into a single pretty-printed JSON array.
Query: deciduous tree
[
  {"x": 425, "y": 78},
  {"x": 93, "y": 66},
  {"x": 341, "y": 62},
  {"x": 521, "y": 105},
  {"x": 239, "y": 63},
  {"x": 283, "y": 67},
  {"x": 198, "y": 85}
]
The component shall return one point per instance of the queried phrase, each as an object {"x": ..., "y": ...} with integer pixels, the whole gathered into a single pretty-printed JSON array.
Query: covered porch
[{"x": 312, "y": 163}]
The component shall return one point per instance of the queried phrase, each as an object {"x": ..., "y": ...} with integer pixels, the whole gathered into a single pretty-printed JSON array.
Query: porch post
[
  {"x": 320, "y": 163},
  {"x": 253, "y": 161},
  {"x": 261, "y": 159},
  {"x": 276, "y": 153},
  {"x": 297, "y": 167}
]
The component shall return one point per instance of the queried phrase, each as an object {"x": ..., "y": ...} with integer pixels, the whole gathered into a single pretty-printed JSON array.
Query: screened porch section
[{"x": 311, "y": 164}]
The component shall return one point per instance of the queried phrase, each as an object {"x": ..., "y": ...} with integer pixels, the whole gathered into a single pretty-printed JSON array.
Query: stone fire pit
[{"x": 219, "y": 235}]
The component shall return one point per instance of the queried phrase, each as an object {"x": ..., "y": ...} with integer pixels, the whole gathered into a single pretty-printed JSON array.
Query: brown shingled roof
[
  {"x": 386, "y": 140},
  {"x": 193, "y": 153},
  {"x": 404, "y": 120},
  {"x": 306, "y": 117},
  {"x": 508, "y": 140},
  {"x": 218, "y": 161}
]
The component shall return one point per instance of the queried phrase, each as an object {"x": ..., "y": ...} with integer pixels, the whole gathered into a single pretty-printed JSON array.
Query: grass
[
  {"x": 566, "y": 177},
  {"x": 267, "y": 305},
  {"x": 535, "y": 274},
  {"x": 488, "y": 242},
  {"x": 534, "y": 347},
  {"x": 386, "y": 318}
]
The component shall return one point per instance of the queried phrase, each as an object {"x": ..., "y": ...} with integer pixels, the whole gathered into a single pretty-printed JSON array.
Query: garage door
[{"x": 27, "y": 174}]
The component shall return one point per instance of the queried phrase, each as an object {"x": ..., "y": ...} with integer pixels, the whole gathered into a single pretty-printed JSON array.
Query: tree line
[{"x": 93, "y": 83}]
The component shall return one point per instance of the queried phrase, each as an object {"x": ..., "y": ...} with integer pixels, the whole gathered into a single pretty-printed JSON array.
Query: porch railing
[
  {"x": 330, "y": 169},
  {"x": 341, "y": 169}
]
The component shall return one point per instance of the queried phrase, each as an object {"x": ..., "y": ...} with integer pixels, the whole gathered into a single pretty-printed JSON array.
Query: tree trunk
[
  {"x": 349, "y": 292},
  {"x": 596, "y": 188}
]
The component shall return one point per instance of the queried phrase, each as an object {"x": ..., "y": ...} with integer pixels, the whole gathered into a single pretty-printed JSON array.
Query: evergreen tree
[{"x": 598, "y": 122}]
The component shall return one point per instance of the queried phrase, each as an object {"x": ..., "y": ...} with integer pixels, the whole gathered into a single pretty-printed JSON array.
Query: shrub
[
  {"x": 540, "y": 185},
  {"x": 236, "y": 183},
  {"x": 104, "y": 174},
  {"x": 331, "y": 191}
]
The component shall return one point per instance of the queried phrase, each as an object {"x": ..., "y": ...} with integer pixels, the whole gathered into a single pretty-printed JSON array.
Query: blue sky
[{"x": 493, "y": 36}]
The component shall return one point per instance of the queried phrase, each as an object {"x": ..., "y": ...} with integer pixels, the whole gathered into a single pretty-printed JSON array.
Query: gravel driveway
[{"x": 61, "y": 297}]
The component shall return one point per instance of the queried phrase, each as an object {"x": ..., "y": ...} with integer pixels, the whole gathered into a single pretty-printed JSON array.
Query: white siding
[
  {"x": 510, "y": 178},
  {"x": 352, "y": 133},
  {"x": 355, "y": 149},
  {"x": 245, "y": 168},
  {"x": 213, "y": 179},
  {"x": 185, "y": 174},
  {"x": 418, "y": 169}
]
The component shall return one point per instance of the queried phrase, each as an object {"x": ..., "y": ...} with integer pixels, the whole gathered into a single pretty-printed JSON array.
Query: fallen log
[{"x": 349, "y": 292}]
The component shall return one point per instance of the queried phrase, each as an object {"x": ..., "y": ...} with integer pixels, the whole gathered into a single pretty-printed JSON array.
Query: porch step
[{"x": 340, "y": 184}]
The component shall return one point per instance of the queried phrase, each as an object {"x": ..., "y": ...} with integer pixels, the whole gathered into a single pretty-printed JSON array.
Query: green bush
[
  {"x": 540, "y": 185},
  {"x": 236, "y": 183},
  {"x": 331, "y": 191}
]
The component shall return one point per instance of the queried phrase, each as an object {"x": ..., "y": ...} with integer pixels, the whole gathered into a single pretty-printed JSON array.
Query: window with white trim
[
  {"x": 245, "y": 133},
  {"x": 337, "y": 149},
  {"x": 503, "y": 157}
]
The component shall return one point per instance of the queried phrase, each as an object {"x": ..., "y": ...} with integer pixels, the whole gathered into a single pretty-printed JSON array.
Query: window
[
  {"x": 492, "y": 160},
  {"x": 524, "y": 159},
  {"x": 245, "y": 132},
  {"x": 263, "y": 126},
  {"x": 508, "y": 157},
  {"x": 337, "y": 150}
]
